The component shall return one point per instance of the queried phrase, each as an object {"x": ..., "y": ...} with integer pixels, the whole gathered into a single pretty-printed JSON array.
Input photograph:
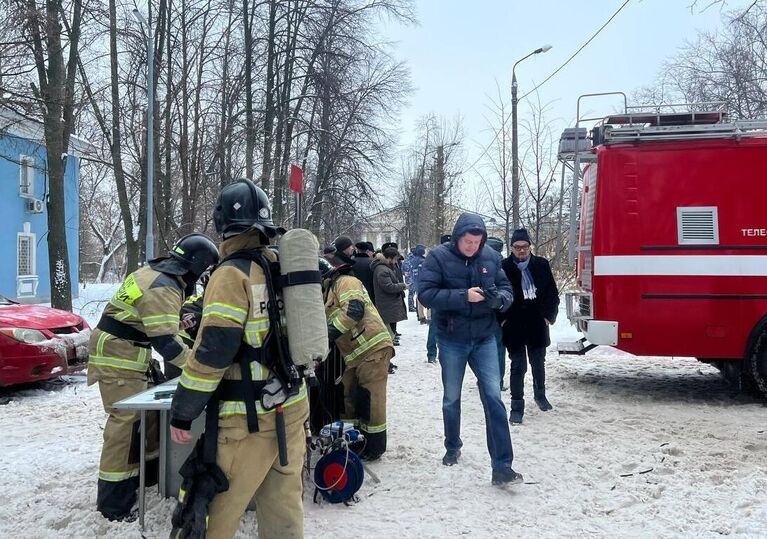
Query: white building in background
[{"x": 389, "y": 225}]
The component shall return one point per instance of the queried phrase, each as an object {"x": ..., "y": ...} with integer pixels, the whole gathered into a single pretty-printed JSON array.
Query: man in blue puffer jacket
[{"x": 464, "y": 285}]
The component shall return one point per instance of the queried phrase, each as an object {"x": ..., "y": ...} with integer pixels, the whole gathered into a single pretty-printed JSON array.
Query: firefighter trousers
[
  {"x": 120, "y": 454},
  {"x": 364, "y": 382},
  {"x": 251, "y": 463}
]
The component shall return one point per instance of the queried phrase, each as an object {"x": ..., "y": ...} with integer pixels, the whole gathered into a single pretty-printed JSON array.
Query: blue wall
[{"x": 14, "y": 214}]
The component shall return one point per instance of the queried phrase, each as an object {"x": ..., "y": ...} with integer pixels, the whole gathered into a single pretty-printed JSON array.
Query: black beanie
[
  {"x": 329, "y": 250},
  {"x": 342, "y": 243},
  {"x": 520, "y": 234}
]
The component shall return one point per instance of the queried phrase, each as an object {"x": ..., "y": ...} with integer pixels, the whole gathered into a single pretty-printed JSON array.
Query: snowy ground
[{"x": 634, "y": 447}]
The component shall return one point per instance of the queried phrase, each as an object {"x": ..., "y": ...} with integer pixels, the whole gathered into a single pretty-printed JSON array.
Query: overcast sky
[{"x": 460, "y": 48}]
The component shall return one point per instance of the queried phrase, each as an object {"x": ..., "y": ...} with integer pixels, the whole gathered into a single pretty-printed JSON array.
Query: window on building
[
  {"x": 25, "y": 255},
  {"x": 27, "y": 176}
]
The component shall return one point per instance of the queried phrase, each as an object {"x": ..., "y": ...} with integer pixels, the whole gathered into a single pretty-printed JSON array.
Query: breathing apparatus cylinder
[{"x": 302, "y": 294}]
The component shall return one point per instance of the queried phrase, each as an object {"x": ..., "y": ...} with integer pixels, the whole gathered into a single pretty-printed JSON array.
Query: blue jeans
[
  {"x": 431, "y": 343},
  {"x": 482, "y": 357}
]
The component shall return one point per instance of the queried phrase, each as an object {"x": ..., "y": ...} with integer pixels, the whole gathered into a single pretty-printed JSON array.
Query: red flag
[{"x": 296, "y": 179}]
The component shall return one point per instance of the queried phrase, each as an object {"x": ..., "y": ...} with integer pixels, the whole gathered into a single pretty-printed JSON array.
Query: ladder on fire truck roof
[{"x": 707, "y": 120}]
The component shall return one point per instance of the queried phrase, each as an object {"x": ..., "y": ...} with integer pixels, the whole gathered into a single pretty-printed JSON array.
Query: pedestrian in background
[
  {"x": 410, "y": 268},
  {"x": 526, "y": 323},
  {"x": 389, "y": 291}
]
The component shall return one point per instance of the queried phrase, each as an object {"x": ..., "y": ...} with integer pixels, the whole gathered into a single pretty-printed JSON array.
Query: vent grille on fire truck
[{"x": 697, "y": 225}]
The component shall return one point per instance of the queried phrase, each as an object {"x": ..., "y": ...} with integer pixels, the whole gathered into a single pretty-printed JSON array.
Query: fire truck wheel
[{"x": 755, "y": 366}]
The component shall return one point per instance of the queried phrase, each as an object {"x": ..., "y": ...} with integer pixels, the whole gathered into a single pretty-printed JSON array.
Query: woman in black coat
[
  {"x": 526, "y": 324},
  {"x": 389, "y": 289}
]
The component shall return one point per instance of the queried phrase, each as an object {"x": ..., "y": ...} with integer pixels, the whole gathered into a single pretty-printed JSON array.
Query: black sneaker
[
  {"x": 392, "y": 368},
  {"x": 431, "y": 359},
  {"x": 451, "y": 457},
  {"x": 506, "y": 476}
]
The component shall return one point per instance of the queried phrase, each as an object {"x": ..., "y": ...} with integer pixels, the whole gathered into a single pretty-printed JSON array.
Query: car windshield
[{"x": 5, "y": 301}]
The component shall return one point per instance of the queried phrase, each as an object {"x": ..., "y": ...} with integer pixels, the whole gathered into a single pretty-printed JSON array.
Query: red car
[{"x": 39, "y": 343}]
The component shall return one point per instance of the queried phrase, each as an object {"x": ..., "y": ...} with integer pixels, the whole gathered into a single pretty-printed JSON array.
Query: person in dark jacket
[
  {"x": 344, "y": 249},
  {"x": 410, "y": 269},
  {"x": 361, "y": 268},
  {"x": 464, "y": 285},
  {"x": 390, "y": 292},
  {"x": 526, "y": 324}
]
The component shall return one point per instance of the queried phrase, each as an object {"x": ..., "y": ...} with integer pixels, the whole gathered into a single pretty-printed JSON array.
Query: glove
[{"x": 492, "y": 299}]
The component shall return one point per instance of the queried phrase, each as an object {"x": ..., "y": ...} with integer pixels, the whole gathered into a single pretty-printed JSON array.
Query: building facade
[{"x": 24, "y": 276}]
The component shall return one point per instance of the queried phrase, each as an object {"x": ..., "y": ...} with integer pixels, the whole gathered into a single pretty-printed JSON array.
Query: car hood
[{"x": 36, "y": 317}]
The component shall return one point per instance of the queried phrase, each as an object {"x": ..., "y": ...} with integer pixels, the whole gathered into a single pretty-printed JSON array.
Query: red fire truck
[{"x": 672, "y": 242}]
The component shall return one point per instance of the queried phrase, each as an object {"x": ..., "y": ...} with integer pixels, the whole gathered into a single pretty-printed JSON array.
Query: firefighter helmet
[
  {"x": 243, "y": 206},
  {"x": 196, "y": 253}
]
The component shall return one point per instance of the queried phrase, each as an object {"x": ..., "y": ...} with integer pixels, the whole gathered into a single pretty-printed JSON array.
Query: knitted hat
[
  {"x": 329, "y": 250},
  {"x": 520, "y": 235},
  {"x": 342, "y": 243}
]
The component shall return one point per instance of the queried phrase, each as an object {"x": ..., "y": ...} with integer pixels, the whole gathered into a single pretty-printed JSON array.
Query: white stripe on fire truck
[{"x": 690, "y": 265}]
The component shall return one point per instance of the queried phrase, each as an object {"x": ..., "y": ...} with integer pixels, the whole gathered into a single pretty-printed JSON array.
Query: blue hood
[
  {"x": 468, "y": 222},
  {"x": 419, "y": 250}
]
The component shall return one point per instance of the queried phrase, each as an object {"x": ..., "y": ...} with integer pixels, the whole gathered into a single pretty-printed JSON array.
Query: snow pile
[{"x": 633, "y": 447}]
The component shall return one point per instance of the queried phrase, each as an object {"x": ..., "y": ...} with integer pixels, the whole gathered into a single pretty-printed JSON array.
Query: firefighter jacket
[
  {"x": 147, "y": 303},
  {"x": 353, "y": 321},
  {"x": 234, "y": 313}
]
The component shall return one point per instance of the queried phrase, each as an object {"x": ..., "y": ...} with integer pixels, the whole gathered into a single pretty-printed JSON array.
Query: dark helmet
[
  {"x": 196, "y": 253},
  {"x": 243, "y": 206}
]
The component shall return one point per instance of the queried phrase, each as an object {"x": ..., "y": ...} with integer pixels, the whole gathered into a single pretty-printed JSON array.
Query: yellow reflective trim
[
  {"x": 339, "y": 324},
  {"x": 232, "y": 408},
  {"x": 373, "y": 429},
  {"x": 367, "y": 345},
  {"x": 354, "y": 293},
  {"x": 160, "y": 319},
  {"x": 196, "y": 383},
  {"x": 114, "y": 477},
  {"x": 121, "y": 305},
  {"x": 181, "y": 494},
  {"x": 139, "y": 365},
  {"x": 228, "y": 312}
]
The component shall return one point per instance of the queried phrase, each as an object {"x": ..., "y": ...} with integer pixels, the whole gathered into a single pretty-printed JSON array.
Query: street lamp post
[
  {"x": 149, "y": 250},
  {"x": 514, "y": 142}
]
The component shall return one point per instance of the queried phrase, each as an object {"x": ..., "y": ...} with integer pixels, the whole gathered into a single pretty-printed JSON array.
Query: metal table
[{"x": 171, "y": 455}]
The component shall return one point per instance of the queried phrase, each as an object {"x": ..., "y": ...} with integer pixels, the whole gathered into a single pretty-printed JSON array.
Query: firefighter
[
  {"x": 143, "y": 315},
  {"x": 367, "y": 348},
  {"x": 232, "y": 364}
]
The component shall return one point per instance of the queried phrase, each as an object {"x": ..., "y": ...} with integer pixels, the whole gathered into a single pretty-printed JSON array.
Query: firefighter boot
[
  {"x": 541, "y": 400},
  {"x": 517, "y": 410}
]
